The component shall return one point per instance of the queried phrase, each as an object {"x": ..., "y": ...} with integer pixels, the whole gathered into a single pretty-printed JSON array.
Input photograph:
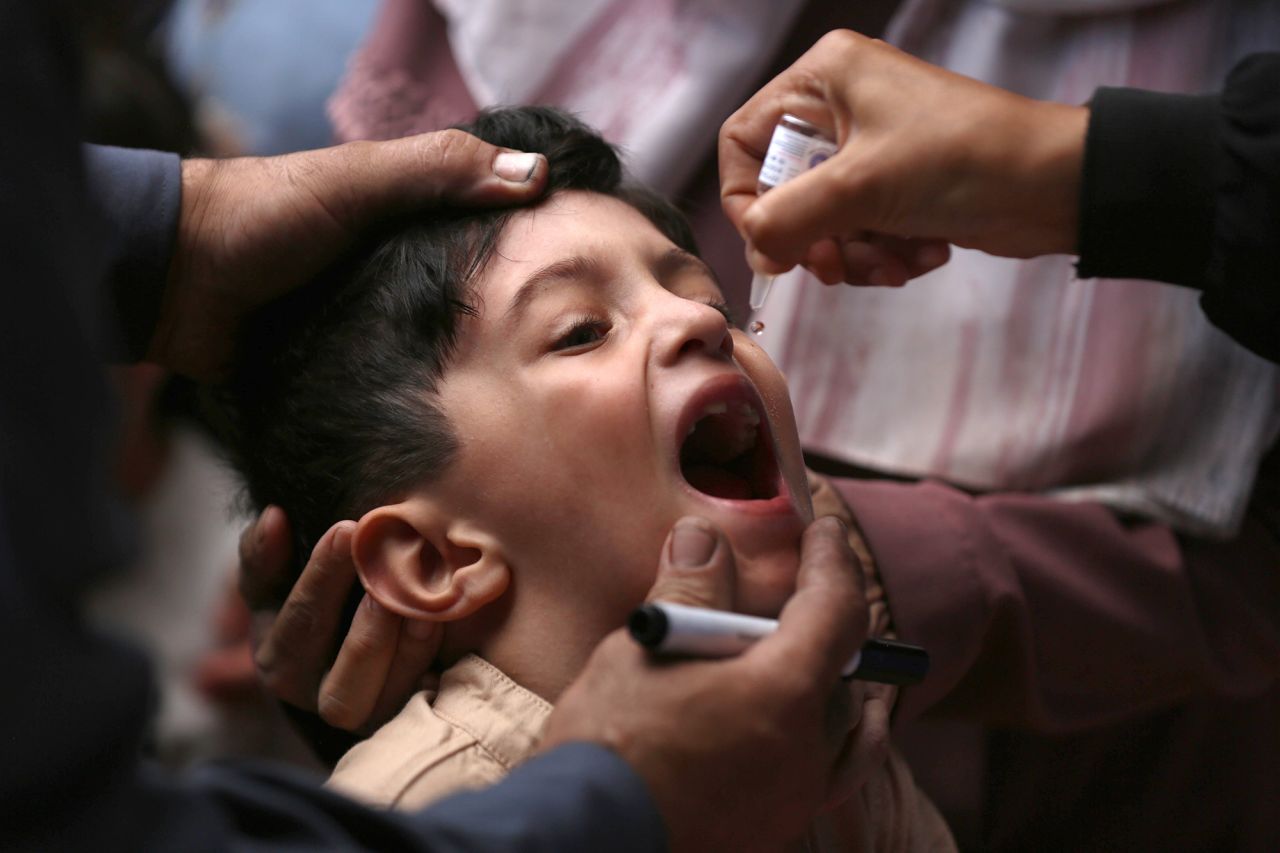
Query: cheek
[
  {"x": 566, "y": 472},
  {"x": 777, "y": 399}
]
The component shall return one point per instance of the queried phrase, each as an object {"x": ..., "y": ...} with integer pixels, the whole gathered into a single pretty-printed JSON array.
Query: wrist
[
  {"x": 1052, "y": 163},
  {"x": 188, "y": 260}
]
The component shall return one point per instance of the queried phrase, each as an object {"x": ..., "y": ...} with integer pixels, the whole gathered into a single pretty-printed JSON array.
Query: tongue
[{"x": 718, "y": 482}]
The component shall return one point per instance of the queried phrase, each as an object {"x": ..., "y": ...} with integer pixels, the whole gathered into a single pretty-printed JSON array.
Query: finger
[
  {"x": 868, "y": 262},
  {"x": 416, "y": 649},
  {"x": 829, "y": 200},
  {"x": 907, "y": 258},
  {"x": 352, "y": 687},
  {"x": 825, "y": 621},
  {"x": 744, "y": 136},
  {"x": 696, "y": 567},
  {"x": 924, "y": 255},
  {"x": 865, "y": 750},
  {"x": 296, "y": 649},
  {"x": 826, "y": 261},
  {"x": 265, "y": 555},
  {"x": 227, "y": 674},
  {"x": 364, "y": 179}
]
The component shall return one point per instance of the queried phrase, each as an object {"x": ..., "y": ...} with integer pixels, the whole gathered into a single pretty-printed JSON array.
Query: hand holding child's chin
[{"x": 740, "y": 753}]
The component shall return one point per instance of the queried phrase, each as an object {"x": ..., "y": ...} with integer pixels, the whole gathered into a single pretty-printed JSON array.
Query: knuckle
[
  {"x": 296, "y": 621},
  {"x": 271, "y": 675},
  {"x": 336, "y": 712},
  {"x": 875, "y": 740},
  {"x": 451, "y": 145},
  {"x": 840, "y": 41}
]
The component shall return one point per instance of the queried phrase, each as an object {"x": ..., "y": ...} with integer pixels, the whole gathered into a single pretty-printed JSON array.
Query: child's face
[{"x": 594, "y": 353}]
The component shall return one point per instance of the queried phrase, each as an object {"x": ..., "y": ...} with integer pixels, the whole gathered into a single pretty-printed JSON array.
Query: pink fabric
[
  {"x": 655, "y": 76},
  {"x": 1058, "y": 616},
  {"x": 403, "y": 79}
]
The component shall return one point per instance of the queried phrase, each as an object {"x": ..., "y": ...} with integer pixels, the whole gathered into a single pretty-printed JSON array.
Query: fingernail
[
  {"x": 878, "y": 278},
  {"x": 517, "y": 168},
  {"x": 691, "y": 544}
]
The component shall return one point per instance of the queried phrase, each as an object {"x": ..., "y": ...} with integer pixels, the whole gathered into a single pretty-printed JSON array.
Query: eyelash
[
  {"x": 576, "y": 327},
  {"x": 589, "y": 323},
  {"x": 721, "y": 306}
]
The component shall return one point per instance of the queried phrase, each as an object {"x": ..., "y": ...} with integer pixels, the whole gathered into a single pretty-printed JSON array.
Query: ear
[{"x": 419, "y": 562}]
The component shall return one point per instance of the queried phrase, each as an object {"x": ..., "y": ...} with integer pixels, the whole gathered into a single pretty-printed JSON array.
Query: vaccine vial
[{"x": 796, "y": 147}]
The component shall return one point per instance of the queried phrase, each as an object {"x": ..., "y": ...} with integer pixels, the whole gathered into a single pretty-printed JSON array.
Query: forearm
[
  {"x": 139, "y": 194},
  {"x": 1186, "y": 189},
  {"x": 1058, "y": 616}
]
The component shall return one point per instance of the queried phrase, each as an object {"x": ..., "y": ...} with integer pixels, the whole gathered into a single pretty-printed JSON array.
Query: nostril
[{"x": 691, "y": 346}]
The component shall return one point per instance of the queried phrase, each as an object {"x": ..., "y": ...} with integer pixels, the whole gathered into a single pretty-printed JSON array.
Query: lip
[{"x": 733, "y": 388}]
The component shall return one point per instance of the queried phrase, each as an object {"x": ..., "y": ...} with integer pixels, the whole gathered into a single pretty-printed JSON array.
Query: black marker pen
[{"x": 678, "y": 629}]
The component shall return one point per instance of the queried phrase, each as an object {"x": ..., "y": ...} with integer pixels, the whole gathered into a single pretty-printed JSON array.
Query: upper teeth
[{"x": 744, "y": 420}]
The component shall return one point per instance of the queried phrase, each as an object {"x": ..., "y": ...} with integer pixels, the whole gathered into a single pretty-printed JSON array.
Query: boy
[{"x": 517, "y": 406}]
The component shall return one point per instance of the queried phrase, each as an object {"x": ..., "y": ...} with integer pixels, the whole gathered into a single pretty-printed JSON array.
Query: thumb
[
  {"x": 829, "y": 200},
  {"x": 444, "y": 168},
  {"x": 696, "y": 567}
]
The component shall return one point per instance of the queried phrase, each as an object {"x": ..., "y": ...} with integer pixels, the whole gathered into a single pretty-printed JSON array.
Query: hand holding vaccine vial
[{"x": 796, "y": 147}]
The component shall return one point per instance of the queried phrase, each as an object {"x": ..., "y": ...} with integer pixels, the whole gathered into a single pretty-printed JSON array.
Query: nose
[{"x": 687, "y": 328}]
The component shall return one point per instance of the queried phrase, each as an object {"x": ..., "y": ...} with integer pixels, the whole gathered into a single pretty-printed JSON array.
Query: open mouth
[{"x": 727, "y": 452}]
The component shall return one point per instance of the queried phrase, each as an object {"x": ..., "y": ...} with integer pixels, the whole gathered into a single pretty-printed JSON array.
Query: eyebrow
[
  {"x": 580, "y": 267},
  {"x": 576, "y": 267},
  {"x": 677, "y": 260}
]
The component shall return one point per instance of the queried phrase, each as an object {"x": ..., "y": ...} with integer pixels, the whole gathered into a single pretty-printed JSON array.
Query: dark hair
[{"x": 330, "y": 410}]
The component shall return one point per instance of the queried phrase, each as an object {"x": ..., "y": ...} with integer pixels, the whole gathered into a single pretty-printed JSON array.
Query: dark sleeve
[
  {"x": 1186, "y": 189},
  {"x": 139, "y": 194},
  {"x": 1056, "y": 616},
  {"x": 579, "y": 797}
]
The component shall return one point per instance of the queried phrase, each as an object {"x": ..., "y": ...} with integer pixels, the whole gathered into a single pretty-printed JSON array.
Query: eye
[
  {"x": 721, "y": 306},
  {"x": 582, "y": 334}
]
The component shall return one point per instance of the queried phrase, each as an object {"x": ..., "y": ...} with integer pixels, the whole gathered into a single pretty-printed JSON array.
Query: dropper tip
[{"x": 760, "y": 285}]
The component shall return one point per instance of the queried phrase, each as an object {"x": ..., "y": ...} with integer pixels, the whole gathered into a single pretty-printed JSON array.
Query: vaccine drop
[{"x": 756, "y": 327}]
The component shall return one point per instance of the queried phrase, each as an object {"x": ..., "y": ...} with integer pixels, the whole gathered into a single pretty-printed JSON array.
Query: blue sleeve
[
  {"x": 139, "y": 195},
  {"x": 579, "y": 797}
]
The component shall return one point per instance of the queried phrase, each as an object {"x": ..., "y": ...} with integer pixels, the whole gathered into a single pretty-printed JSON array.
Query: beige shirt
[{"x": 480, "y": 724}]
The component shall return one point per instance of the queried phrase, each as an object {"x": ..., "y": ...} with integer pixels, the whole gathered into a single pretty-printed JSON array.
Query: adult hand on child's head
[
  {"x": 251, "y": 229},
  {"x": 927, "y": 157},
  {"x": 383, "y": 659},
  {"x": 741, "y": 753}
]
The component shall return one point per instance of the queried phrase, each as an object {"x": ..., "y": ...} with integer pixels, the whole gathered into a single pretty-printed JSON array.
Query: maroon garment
[{"x": 1137, "y": 674}]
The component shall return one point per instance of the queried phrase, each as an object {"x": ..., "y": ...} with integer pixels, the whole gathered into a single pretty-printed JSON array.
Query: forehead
[{"x": 572, "y": 223}]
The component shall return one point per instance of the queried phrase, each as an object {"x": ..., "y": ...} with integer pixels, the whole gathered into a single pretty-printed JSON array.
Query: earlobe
[{"x": 417, "y": 562}]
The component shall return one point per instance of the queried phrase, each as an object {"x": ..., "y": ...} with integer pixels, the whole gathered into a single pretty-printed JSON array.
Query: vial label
[{"x": 790, "y": 153}]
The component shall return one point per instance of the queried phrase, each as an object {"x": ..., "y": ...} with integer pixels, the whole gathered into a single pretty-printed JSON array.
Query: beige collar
[{"x": 505, "y": 719}]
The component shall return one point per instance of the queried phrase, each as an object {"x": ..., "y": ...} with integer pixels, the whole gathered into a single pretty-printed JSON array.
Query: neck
[{"x": 540, "y": 646}]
